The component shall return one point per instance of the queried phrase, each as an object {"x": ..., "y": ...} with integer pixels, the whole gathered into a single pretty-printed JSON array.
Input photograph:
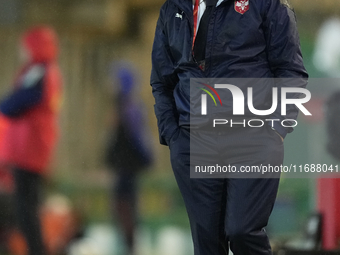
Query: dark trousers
[
  {"x": 27, "y": 193},
  {"x": 223, "y": 211},
  {"x": 125, "y": 206}
]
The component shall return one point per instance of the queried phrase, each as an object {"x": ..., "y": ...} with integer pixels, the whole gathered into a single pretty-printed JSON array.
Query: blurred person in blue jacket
[{"x": 127, "y": 152}]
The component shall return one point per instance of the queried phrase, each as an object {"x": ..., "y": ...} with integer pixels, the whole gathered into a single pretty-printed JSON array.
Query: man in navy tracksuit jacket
[{"x": 257, "y": 40}]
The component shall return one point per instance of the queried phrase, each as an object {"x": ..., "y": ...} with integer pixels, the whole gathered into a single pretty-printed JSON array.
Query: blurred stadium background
[{"x": 93, "y": 33}]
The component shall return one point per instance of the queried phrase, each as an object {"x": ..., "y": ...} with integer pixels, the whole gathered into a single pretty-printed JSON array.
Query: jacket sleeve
[
  {"x": 163, "y": 81},
  {"x": 136, "y": 127},
  {"x": 284, "y": 56},
  {"x": 27, "y": 95}
]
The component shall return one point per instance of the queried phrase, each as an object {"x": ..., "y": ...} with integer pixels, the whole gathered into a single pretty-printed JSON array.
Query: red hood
[{"x": 42, "y": 43}]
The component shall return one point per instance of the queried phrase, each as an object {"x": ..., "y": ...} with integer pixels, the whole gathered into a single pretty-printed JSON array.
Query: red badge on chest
[{"x": 241, "y": 6}]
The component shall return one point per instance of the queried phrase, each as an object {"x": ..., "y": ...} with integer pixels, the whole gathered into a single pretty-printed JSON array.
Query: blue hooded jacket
[{"x": 263, "y": 42}]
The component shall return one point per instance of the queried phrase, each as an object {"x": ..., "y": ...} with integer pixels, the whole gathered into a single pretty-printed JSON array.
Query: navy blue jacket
[{"x": 261, "y": 43}]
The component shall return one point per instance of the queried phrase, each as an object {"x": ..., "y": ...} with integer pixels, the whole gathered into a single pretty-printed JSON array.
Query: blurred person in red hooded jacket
[{"x": 32, "y": 111}]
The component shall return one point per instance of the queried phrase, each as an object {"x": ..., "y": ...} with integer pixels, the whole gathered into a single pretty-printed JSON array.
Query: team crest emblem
[{"x": 241, "y": 6}]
